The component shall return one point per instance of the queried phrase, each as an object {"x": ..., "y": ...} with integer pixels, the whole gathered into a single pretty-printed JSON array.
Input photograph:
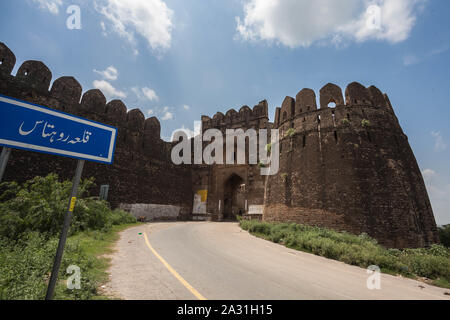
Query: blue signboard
[{"x": 31, "y": 127}]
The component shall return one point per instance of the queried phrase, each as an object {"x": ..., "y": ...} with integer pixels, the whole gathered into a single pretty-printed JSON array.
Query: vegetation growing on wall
[
  {"x": 365, "y": 123},
  {"x": 290, "y": 133}
]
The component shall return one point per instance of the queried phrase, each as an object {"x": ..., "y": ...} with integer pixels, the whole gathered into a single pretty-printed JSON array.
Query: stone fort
[{"x": 345, "y": 164}]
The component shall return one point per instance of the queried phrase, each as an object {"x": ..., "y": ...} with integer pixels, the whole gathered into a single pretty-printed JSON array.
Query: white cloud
[
  {"x": 108, "y": 90},
  {"x": 137, "y": 92},
  {"x": 110, "y": 73},
  {"x": 410, "y": 60},
  {"x": 51, "y": 6},
  {"x": 186, "y": 107},
  {"x": 189, "y": 133},
  {"x": 440, "y": 50},
  {"x": 428, "y": 173},
  {"x": 150, "y": 94},
  {"x": 151, "y": 19},
  {"x": 164, "y": 113},
  {"x": 439, "y": 144},
  {"x": 301, "y": 23},
  {"x": 167, "y": 116},
  {"x": 145, "y": 93},
  {"x": 103, "y": 26}
]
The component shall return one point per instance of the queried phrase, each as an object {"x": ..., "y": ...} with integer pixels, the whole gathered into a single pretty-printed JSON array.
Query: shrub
[
  {"x": 428, "y": 265},
  {"x": 276, "y": 237},
  {"x": 40, "y": 205},
  {"x": 444, "y": 235},
  {"x": 25, "y": 266},
  {"x": 31, "y": 218},
  {"x": 362, "y": 250}
]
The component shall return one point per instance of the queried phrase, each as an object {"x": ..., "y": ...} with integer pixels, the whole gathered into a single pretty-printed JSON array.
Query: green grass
[
  {"x": 432, "y": 263},
  {"x": 95, "y": 245},
  {"x": 31, "y": 217},
  {"x": 25, "y": 266}
]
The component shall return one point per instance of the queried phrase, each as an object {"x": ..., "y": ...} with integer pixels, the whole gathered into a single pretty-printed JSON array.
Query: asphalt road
[{"x": 205, "y": 260}]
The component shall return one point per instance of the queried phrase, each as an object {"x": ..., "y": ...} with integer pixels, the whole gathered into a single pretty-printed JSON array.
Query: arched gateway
[{"x": 234, "y": 197}]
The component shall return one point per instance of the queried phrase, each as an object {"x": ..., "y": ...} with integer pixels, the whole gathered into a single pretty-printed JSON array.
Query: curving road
[{"x": 189, "y": 261}]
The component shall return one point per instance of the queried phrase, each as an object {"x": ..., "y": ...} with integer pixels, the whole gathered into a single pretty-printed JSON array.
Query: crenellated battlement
[
  {"x": 345, "y": 163},
  {"x": 32, "y": 83},
  {"x": 349, "y": 166},
  {"x": 7, "y": 58},
  {"x": 67, "y": 89},
  {"x": 356, "y": 95},
  {"x": 246, "y": 117},
  {"x": 142, "y": 171}
]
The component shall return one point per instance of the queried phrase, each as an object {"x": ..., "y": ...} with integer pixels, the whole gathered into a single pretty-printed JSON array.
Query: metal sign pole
[
  {"x": 62, "y": 240},
  {"x": 4, "y": 161}
]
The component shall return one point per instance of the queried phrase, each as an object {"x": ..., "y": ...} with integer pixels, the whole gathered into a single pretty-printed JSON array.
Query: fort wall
[
  {"x": 142, "y": 171},
  {"x": 349, "y": 168},
  {"x": 217, "y": 178},
  {"x": 345, "y": 163}
]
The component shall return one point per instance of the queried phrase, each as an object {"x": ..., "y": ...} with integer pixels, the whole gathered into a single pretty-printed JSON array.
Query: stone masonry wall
[
  {"x": 142, "y": 171},
  {"x": 347, "y": 167}
]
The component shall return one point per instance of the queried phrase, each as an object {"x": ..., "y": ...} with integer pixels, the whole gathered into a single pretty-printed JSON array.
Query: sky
[{"x": 180, "y": 59}]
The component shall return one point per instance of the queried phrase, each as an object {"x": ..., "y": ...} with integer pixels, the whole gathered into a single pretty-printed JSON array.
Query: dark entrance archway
[{"x": 234, "y": 197}]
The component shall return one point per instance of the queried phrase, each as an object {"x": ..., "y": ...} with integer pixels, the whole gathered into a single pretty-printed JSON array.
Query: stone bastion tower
[
  {"x": 346, "y": 165},
  {"x": 349, "y": 168}
]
